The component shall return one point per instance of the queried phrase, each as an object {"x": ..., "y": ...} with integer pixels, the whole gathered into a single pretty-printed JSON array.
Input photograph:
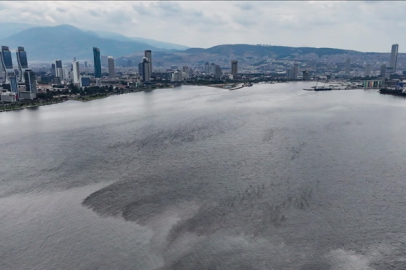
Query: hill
[{"x": 65, "y": 42}]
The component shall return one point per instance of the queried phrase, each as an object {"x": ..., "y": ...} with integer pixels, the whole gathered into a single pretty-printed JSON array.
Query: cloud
[{"x": 341, "y": 24}]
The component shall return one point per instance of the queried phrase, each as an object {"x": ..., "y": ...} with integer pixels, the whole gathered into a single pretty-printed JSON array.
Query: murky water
[{"x": 266, "y": 177}]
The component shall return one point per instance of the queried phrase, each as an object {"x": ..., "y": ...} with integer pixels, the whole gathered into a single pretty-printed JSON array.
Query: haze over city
[{"x": 367, "y": 26}]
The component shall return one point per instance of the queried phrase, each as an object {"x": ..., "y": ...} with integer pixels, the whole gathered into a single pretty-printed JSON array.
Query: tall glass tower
[
  {"x": 22, "y": 62},
  {"x": 394, "y": 57},
  {"x": 7, "y": 63},
  {"x": 97, "y": 62}
]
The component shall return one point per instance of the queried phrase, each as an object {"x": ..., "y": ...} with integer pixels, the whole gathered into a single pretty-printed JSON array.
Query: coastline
[{"x": 19, "y": 106}]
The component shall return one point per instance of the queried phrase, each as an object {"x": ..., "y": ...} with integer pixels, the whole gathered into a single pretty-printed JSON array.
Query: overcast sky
[{"x": 363, "y": 26}]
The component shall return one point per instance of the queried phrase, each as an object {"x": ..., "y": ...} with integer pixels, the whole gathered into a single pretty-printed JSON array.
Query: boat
[
  {"x": 322, "y": 88},
  {"x": 392, "y": 91}
]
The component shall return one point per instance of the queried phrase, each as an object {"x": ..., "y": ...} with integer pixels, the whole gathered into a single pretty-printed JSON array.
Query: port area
[{"x": 342, "y": 86}]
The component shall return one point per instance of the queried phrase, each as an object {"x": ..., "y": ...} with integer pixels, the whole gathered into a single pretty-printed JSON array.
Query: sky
[{"x": 368, "y": 26}]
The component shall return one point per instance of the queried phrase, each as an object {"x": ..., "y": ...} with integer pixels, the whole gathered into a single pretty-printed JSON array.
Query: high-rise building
[
  {"x": 22, "y": 62},
  {"x": 394, "y": 57},
  {"x": 306, "y": 75},
  {"x": 207, "y": 68},
  {"x": 85, "y": 64},
  {"x": 96, "y": 62},
  {"x": 368, "y": 70},
  {"x": 186, "y": 70},
  {"x": 347, "y": 66},
  {"x": 295, "y": 71},
  {"x": 104, "y": 60},
  {"x": 58, "y": 69},
  {"x": 213, "y": 68},
  {"x": 67, "y": 74},
  {"x": 53, "y": 70},
  {"x": 7, "y": 63},
  {"x": 76, "y": 72},
  {"x": 148, "y": 54},
  {"x": 234, "y": 68},
  {"x": 30, "y": 81},
  {"x": 140, "y": 69},
  {"x": 112, "y": 72},
  {"x": 383, "y": 71},
  {"x": 218, "y": 72},
  {"x": 146, "y": 73},
  {"x": 13, "y": 84}
]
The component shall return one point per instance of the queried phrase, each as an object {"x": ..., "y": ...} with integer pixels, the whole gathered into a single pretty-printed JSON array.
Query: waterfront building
[
  {"x": 288, "y": 73},
  {"x": 112, "y": 72},
  {"x": 207, "y": 68},
  {"x": 140, "y": 69},
  {"x": 76, "y": 72},
  {"x": 383, "y": 71},
  {"x": 104, "y": 60},
  {"x": 13, "y": 84},
  {"x": 218, "y": 73},
  {"x": 148, "y": 55},
  {"x": 7, "y": 63},
  {"x": 84, "y": 81},
  {"x": 96, "y": 62},
  {"x": 306, "y": 75},
  {"x": 295, "y": 71},
  {"x": 146, "y": 72},
  {"x": 347, "y": 66},
  {"x": 8, "y": 97},
  {"x": 98, "y": 82},
  {"x": 234, "y": 68},
  {"x": 394, "y": 57},
  {"x": 30, "y": 81},
  {"x": 58, "y": 69},
  {"x": 22, "y": 62}
]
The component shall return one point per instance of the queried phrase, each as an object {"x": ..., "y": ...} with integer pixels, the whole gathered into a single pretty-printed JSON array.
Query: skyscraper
[
  {"x": 76, "y": 72},
  {"x": 53, "y": 70},
  {"x": 394, "y": 57},
  {"x": 58, "y": 69},
  {"x": 295, "y": 71},
  {"x": 104, "y": 60},
  {"x": 146, "y": 74},
  {"x": 347, "y": 66},
  {"x": 212, "y": 68},
  {"x": 207, "y": 68},
  {"x": 140, "y": 68},
  {"x": 218, "y": 72},
  {"x": 383, "y": 71},
  {"x": 22, "y": 62},
  {"x": 186, "y": 70},
  {"x": 148, "y": 54},
  {"x": 30, "y": 81},
  {"x": 234, "y": 68},
  {"x": 112, "y": 72},
  {"x": 7, "y": 63},
  {"x": 97, "y": 62}
]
